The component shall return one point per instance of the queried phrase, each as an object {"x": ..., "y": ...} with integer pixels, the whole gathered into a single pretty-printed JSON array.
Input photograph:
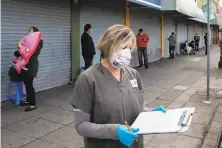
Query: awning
[
  {"x": 198, "y": 20},
  {"x": 217, "y": 22},
  {"x": 148, "y": 3},
  {"x": 187, "y": 7},
  {"x": 190, "y": 8},
  {"x": 200, "y": 17}
]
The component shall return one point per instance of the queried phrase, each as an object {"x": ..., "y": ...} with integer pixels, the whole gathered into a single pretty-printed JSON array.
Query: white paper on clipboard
[{"x": 159, "y": 122}]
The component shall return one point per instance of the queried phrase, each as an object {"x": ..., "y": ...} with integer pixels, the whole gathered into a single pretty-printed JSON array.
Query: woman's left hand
[{"x": 20, "y": 57}]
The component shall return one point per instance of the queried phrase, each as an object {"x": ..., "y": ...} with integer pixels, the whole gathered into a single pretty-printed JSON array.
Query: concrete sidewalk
[{"x": 172, "y": 83}]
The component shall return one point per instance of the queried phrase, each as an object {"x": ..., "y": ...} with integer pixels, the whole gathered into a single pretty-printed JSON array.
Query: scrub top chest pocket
[
  {"x": 136, "y": 96},
  {"x": 134, "y": 84}
]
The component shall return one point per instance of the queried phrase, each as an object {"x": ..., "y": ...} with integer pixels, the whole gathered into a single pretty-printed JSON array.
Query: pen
[{"x": 129, "y": 128}]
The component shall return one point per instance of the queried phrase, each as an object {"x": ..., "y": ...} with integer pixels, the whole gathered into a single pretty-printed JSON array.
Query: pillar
[
  {"x": 127, "y": 14},
  {"x": 75, "y": 39},
  {"x": 162, "y": 35}
]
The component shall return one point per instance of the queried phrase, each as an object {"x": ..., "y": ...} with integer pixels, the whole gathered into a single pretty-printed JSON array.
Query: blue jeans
[
  {"x": 171, "y": 50},
  {"x": 142, "y": 54}
]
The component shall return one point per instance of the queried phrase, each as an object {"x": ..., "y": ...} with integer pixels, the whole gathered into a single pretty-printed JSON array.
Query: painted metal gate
[
  {"x": 200, "y": 32},
  {"x": 181, "y": 35},
  {"x": 52, "y": 17},
  {"x": 101, "y": 14},
  {"x": 169, "y": 27},
  {"x": 149, "y": 21},
  {"x": 191, "y": 31}
]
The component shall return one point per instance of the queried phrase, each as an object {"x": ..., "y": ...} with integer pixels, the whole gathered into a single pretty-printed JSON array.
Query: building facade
[
  {"x": 62, "y": 23},
  {"x": 185, "y": 18}
]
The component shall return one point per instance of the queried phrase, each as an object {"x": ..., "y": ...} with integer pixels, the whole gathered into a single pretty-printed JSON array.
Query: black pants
[
  {"x": 171, "y": 51},
  {"x": 197, "y": 46},
  {"x": 88, "y": 61},
  {"x": 142, "y": 54},
  {"x": 205, "y": 49},
  {"x": 30, "y": 90}
]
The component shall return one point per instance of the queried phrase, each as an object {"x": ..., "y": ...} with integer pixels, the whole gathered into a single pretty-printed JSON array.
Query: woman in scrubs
[{"x": 110, "y": 93}]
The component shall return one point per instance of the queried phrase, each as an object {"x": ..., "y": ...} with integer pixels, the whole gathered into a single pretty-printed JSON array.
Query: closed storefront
[
  {"x": 191, "y": 31},
  {"x": 215, "y": 34},
  {"x": 149, "y": 21},
  {"x": 181, "y": 34},
  {"x": 169, "y": 27},
  {"x": 100, "y": 14},
  {"x": 200, "y": 32},
  {"x": 204, "y": 26},
  {"x": 52, "y": 17},
  {"x": 220, "y": 34}
]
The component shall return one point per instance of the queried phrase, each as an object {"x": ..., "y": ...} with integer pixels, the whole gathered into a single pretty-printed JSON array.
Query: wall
[{"x": 168, "y": 4}]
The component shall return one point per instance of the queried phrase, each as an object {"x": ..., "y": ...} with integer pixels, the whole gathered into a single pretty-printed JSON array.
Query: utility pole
[{"x": 208, "y": 51}]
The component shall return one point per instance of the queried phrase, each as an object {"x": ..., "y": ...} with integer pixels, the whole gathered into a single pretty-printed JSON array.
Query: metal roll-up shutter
[
  {"x": 149, "y": 21},
  {"x": 191, "y": 31},
  {"x": 53, "y": 18},
  {"x": 181, "y": 34},
  {"x": 101, "y": 14},
  {"x": 199, "y": 30},
  {"x": 169, "y": 27}
]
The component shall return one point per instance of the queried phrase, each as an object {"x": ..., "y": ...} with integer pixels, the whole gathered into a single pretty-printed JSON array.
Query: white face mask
[{"x": 121, "y": 59}]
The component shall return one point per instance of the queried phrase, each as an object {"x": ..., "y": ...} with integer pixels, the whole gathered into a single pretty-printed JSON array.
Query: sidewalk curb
[{"x": 214, "y": 130}]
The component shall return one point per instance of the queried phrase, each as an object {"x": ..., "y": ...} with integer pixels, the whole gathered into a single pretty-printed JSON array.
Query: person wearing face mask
[
  {"x": 88, "y": 49},
  {"x": 32, "y": 70},
  {"x": 172, "y": 45},
  {"x": 109, "y": 93}
]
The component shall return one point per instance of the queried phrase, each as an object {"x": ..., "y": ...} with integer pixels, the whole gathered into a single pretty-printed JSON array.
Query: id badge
[{"x": 134, "y": 83}]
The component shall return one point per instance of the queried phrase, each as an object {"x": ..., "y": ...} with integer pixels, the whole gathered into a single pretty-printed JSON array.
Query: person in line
[
  {"x": 109, "y": 93},
  {"x": 192, "y": 44},
  {"x": 190, "y": 48},
  {"x": 31, "y": 73},
  {"x": 206, "y": 43},
  {"x": 142, "y": 41},
  {"x": 220, "y": 45},
  {"x": 196, "y": 40},
  {"x": 88, "y": 48},
  {"x": 172, "y": 45}
]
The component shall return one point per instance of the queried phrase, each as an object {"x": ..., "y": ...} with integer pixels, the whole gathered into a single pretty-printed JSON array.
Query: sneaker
[
  {"x": 30, "y": 108},
  {"x": 138, "y": 67}
]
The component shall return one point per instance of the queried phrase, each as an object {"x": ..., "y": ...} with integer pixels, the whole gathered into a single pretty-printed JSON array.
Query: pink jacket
[{"x": 29, "y": 44}]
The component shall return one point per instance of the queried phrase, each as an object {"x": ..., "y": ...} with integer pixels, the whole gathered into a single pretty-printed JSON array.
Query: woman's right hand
[{"x": 125, "y": 136}]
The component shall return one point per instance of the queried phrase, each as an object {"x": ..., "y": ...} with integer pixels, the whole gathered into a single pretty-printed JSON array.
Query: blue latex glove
[
  {"x": 125, "y": 136},
  {"x": 160, "y": 108}
]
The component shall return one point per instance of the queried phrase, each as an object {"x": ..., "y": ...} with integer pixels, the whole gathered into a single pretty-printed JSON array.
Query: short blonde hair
[{"x": 116, "y": 38}]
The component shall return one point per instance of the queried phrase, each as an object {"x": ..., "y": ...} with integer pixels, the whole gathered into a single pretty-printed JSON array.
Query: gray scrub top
[{"x": 108, "y": 101}]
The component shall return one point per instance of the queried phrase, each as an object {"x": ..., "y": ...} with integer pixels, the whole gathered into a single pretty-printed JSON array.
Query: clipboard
[{"x": 174, "y": 120}]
